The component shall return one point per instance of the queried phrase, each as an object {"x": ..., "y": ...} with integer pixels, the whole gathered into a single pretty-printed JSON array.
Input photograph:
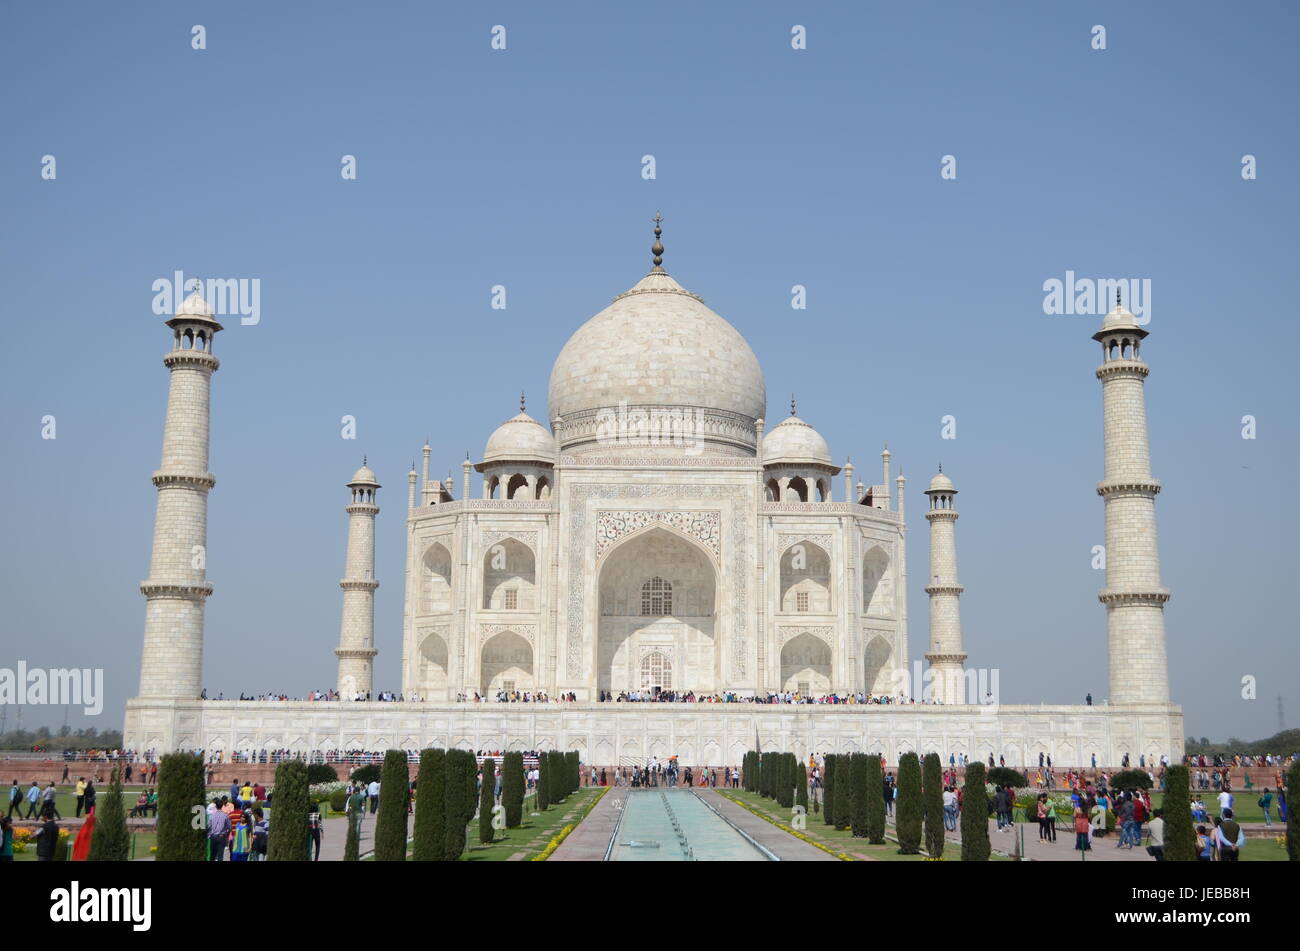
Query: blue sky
[{"x": 774, "y": 167}]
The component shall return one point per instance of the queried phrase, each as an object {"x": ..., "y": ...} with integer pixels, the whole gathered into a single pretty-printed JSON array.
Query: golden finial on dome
[
  {"x": 657, "y": 249},
  {"x": 793, "y": 411},
  {"x": 521, "y": 401}
]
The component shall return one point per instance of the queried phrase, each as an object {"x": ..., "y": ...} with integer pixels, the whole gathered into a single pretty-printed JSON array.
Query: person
[
  {"x": 1156, "y": 828},
  {"x": 33, "y": 799},
  {"x": 1204, "y": 846},
  {"x": 48, "y": 806},
  {"x": 81, "y": 796},
  {"x": 6, "y": 839},
  {"x": 1225, "y": 802},
  {"x": 1281, "y": 804},
  {"x": 218, "y": 834},
  {"x": 315, "y": 827},
  {"x": 261, "y": 836},
  {"x": 246, "y": 795},
  {"x": 373, "y": 791},
  {"x": 47, "y": 840},
  {"x": 240, "y": 841},
  {"x": 950, "y": 809},
  {"x": 1229, "y": 838},
  {"x": 1266, "y": 803},
  {"x": 90, "y": 796},
  {"x": 15, "y": 801},
  {"x": 141, "y": 807},
  {"x": 1081, "y": 828}
]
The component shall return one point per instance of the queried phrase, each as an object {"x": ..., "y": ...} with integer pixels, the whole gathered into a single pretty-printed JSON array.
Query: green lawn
[
  {"x": 143, "y": 841},
  {"x": 836, "y": 840},
  {"x": 533, "y": 834}
]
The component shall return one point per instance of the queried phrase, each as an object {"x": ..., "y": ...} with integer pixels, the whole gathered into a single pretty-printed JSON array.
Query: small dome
[
  {"x": 794, "y": 441},
  {"x": 1119, "y": 319},
  {"x": 364, "y": 476},
  {"x": 941, "y": 483},
  {"x": 520, "y": 439},
  {"x": 195, "y": 306}
]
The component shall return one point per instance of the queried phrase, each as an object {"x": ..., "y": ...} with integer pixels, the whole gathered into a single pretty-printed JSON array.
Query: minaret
[
  {"x": 945, "y": 656},
  {"x": 356, "y": 650},
  {"x": 884, "y": 468},
  {"x": 1134, "y": 597},
  {"x": 177, "y": 586},
  {"x": 410, "y": 487}
]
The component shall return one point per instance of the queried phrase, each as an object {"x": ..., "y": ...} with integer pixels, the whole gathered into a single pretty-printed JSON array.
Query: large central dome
[{"x": 658, "y": 349}]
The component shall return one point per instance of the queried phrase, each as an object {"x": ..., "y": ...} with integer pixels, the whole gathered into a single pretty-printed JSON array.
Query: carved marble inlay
[
  {"x": 823, "y": 631},
  {"x": 527, "y": 631},
  {"x": 704, "y": 527},
  {"x": 527, "y": 538},
  {"x": 786, "y": 540}
]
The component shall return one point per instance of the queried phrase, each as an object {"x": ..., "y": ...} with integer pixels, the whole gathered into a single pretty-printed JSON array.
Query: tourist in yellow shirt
[
  {"x": 246, "y": 793},
  {"x": 81, "y": 794}
]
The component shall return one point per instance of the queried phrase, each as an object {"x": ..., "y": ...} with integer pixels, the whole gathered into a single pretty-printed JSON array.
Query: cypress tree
[
  {"x": 430, "y": 834},
  {"x": 289, "y": 841},
  {"x": 110, "y": 841},
  {"x": 874, "y": 789},
  {"x": 352, "y": 845},
  {"x": 858, "y": 795},
  {"x": 457, "y": 764},
  {"x": 844, "y": 792},
  {"x": 907, "y": 823},
  {"x": 1293, "y": 813},
  {"x": 801, "y": 787},
  {"x": 1180, "y": 833},
  {"x": 932, "y": 795},
  {"x": 543, "y": 769},
  {"x": 471, "y": 791},
  {"x": 782, "y": 778},
  {"x": 486, "y": 800},
  {"x": 975, "y": 816},
  {"x": 828, "y": 789},
  {"x": 390, "y": 824},
  {"x": 180, "y": 789},
  {"x": 513, "y": 785}
]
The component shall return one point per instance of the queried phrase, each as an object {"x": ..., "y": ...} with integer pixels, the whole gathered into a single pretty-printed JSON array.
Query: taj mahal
[{"x": 650, "y": 537}]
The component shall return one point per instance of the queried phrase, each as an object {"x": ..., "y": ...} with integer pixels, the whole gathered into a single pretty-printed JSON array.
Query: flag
[{"x": 81, "y": 847}]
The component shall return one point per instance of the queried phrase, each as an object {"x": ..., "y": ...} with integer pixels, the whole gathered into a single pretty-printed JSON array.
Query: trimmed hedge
[
  {"x": 486, "y": 800},
  {"x": 874, "y": 790},
  {"x": 289, "y": 841},
  {"x": 109, "y": 840},
  {"x": 1180, "y": 832},
  {"x": 390, "y": 823},
  {"x": 907, "y": 821},
  {"x": 1131, "y": 779},
  {"x": 182, "y": 833},
  {"x": 430, "y": 835},
  {"x": 828, "y": 789},
  {"x": 513, "y": 786},
  {"x": 859, "y": 795},
  {"x": 1293, "y": 813},
  {"x": 459, "y": 767},
  {"x": 975, "y": 816},
  {"x": 321, "y": 773},
  {"x": 368, "y": 774},
  {"x": 932, "y": 799}
]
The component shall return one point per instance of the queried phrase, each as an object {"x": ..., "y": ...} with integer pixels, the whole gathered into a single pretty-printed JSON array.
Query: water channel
[{"x": 675, "y": 825}]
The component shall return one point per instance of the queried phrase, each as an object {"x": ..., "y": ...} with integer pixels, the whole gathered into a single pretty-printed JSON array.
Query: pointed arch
[
  {"x": 806, "y": 665},
  {"x": 506, "y": 662},
  {"x": 805, "y": 579},
  {"x": 877, "y": 583},
  {"x": 436, "y": 588},
  {"x": 509, "y": 577}
]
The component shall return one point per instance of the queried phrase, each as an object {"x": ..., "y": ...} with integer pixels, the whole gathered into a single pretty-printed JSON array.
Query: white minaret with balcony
[
  {"x": 177, "y": 587},
  {"x": 356, "y": 650},
  {"x": 1134, "y": 597},
  {"x": 946, "y": 657}
]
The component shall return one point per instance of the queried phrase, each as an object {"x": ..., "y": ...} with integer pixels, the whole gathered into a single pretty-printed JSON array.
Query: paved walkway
[
  {"x": 588, "y": 842},
  {"x": 779, "y": 842},
  {"x": 1037, "y": 850}
]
